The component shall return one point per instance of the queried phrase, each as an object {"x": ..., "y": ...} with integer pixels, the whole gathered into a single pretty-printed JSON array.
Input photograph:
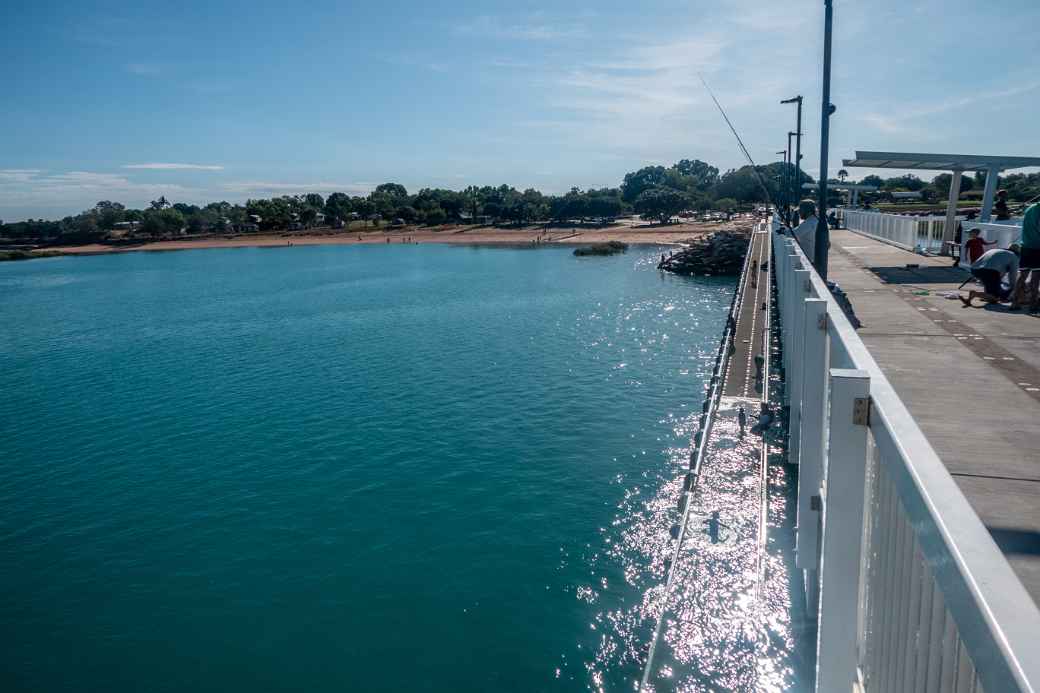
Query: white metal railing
[
  {"x": 913, "y": 594},
  {"x": 899, "y": 229}
]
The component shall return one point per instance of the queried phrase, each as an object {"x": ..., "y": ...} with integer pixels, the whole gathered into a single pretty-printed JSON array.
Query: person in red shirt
[{"x": 976, "y": 246}]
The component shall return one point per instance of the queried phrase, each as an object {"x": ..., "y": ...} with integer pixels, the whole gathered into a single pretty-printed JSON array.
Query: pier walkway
[
  {"x": 732, "y": 613},
  {"x": 969, "y": 376}
]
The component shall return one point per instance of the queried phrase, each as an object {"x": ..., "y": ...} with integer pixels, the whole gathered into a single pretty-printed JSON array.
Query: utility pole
[
  {"x": 797, "y": 147},
  {"x": 823, "y": 236},
  {"x": 781, "y": 187}
]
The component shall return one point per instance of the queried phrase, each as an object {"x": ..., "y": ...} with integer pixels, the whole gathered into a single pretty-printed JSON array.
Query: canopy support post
[
  {"x": 992, "y": 173},
  {"x": 949, "y": 231}
]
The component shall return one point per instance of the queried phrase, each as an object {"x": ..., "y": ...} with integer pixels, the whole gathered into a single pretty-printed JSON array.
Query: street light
[
  {"x": 781, "y": 186},
  {"x": 798, "y": 144},
  {"x": 823, "y": 240},
  {"x": 790, "y": 174}
]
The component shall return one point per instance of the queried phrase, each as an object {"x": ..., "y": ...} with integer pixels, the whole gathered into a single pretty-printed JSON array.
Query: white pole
[
  {"x": 951, "y": 212},
  {"x": 836, "y": 659},
  {"x": 992, "y": 173},
  {"x": 794, "y": 375}
]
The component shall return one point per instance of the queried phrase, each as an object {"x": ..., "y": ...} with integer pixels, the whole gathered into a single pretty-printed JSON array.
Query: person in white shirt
[
  {"x": 990, "y": 270},
  {"x": 805, "y": 233}
]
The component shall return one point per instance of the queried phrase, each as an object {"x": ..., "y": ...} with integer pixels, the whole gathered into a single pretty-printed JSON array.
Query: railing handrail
[{"x": 998, "y": 620}]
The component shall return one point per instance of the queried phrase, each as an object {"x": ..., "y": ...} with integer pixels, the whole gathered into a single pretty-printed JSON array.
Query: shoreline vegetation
[
  {"x": 626, "y": 231},
  {"x": 669, "y": 199}
]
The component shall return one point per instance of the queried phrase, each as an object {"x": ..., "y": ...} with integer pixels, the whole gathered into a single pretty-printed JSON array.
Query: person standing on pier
[
  {"x": 1029, "y": 260},
  {"x": 805, "y": 233}
]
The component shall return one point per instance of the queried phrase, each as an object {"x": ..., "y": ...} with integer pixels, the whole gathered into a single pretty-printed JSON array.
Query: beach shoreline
[{"x": 455, "y": 235}]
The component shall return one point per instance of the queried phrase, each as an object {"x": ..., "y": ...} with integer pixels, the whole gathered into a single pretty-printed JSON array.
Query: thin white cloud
[
  {"x": 77, "y": 190},
  {"x": 276, "y": 188},
  {"x": 143, "y": 69},
  {"x": 537, "y": 27},
  {"x": 900, "y": 121},
  {"x": 18, "y": 175},
  {"x": 174, "y": 167}
]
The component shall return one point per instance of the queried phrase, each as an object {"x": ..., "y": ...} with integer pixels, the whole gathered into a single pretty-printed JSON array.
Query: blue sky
[{"x": 230, "y": 100}]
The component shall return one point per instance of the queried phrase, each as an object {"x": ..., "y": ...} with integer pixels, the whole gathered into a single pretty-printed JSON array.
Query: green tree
[
  {"x": 162, "y": 222},
  {"x": 661, "y": 204},
  {"x": 432, "y": 216},
  {"x": 644, "y": 179},
  {"x": 699, "y": 174},
  {"x": 109, "y": 214}
]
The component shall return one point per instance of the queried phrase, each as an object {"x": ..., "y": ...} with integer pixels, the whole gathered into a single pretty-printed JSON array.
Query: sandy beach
[{"x": 627, "y": 231}]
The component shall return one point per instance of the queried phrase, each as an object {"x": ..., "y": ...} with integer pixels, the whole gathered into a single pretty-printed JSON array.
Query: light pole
[
  {"x": 823, "y": 240},
  {"x": 781, "y": 185},
  {"x": 790, "y": 173},
  {"x": 797, "y": 146}
]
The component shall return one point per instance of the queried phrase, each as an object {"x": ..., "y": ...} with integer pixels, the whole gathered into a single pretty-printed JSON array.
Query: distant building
[
  {"x": 126, "y": 225},
  {"x": 906, "y": 195}
]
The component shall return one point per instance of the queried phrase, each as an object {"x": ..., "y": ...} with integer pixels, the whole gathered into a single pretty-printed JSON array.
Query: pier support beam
[{"x": 840, "y": 562}]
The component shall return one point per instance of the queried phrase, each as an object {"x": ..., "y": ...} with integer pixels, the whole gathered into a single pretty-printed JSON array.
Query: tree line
[{"x": 656, "y": 192}]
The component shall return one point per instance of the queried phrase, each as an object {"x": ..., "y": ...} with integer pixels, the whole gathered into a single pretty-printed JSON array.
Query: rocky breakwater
[{"x": 720, "y": 253}]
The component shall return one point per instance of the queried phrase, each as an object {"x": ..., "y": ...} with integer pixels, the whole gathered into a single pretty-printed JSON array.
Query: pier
[
  {"x": 914, "y": 434},
  {"x": 732, "y": 614},
  {"x": 881, "y": 534}
]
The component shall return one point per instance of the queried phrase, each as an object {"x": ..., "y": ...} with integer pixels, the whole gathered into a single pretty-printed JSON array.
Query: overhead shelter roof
[{"x": 939, "y": 162}]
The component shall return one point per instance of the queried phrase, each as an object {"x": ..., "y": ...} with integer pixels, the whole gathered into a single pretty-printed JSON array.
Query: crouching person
[{"x": 990, "y": 269}]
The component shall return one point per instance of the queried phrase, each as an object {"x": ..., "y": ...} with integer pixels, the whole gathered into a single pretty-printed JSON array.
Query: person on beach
[
  {"x": 975, "y": 245},
  {"x": 990, "y": 269}
]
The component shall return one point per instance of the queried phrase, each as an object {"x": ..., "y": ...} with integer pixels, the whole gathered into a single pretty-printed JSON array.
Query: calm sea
[{"x": 387, "y": 468}]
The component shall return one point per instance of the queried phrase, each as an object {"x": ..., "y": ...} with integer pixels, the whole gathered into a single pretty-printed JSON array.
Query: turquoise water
[{"x": 340, "y": 468}]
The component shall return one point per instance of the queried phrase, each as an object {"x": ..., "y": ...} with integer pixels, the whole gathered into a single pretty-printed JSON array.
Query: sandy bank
[{"x": 473, "y": 235}]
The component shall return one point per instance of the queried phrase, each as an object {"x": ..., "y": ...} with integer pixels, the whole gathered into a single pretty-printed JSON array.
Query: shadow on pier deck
[{"x": 969, "y": 376}]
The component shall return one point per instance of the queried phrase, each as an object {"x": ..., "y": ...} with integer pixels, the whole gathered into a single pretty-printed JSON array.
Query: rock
[
  {"x": 608, "y": 248},
  {"x": 720, "y": 253}
]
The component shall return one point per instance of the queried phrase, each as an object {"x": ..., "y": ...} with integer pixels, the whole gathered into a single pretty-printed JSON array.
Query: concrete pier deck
[{"x": 969, "y": 376}]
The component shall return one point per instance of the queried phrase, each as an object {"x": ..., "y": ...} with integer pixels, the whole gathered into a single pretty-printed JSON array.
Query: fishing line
[{"x": 754, "y": 166}]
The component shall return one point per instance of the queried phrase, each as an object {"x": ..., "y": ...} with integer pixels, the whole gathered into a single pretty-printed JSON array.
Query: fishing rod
[
  {"x": 707, "y": 420},
  {"x": 754, "y": 166}
]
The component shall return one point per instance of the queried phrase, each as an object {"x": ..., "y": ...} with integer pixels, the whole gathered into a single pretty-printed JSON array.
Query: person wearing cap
[{"x": 990, "y": 270}]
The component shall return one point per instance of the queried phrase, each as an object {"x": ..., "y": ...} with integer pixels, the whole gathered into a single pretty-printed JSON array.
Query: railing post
[
  {"x": 794, "y": 376},
  {"x": 840, "y": 562},
  {"x": 810, "y": 464},
  {"x": 788, "y": 302}
]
